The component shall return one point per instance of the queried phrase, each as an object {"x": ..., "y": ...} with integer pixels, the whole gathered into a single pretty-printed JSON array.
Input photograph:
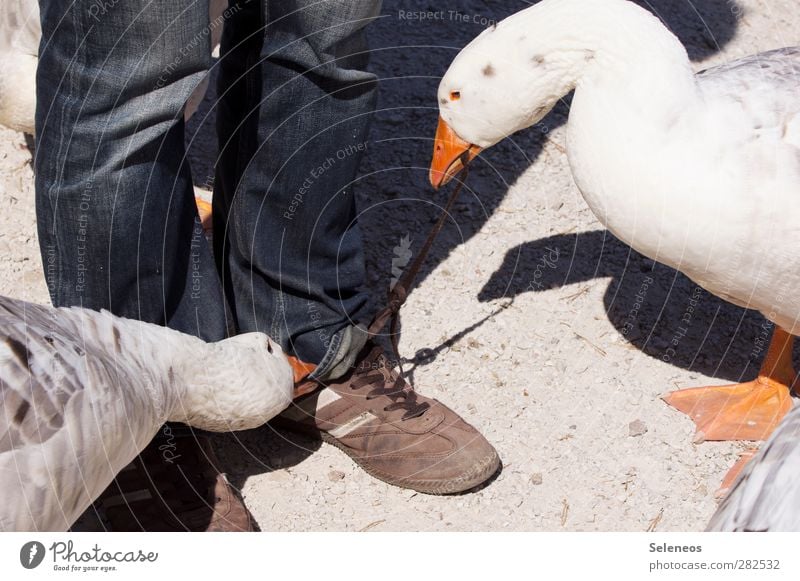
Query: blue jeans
[{"x": 118, "y": 227}]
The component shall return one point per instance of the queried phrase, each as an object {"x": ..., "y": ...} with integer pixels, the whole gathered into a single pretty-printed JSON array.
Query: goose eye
[{"x": 455, "y": 95}]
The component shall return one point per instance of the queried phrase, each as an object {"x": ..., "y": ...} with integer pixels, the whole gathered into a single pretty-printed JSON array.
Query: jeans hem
[{"x": 341, "y": 356}]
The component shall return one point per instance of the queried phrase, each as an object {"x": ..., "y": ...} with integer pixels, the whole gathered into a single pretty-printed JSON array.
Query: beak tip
[{"x": 450, "y": 155}]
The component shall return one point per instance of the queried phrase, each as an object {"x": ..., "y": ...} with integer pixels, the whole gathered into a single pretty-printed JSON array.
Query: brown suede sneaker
[
  {"x": 174, "y": 486},
  {"x": 391, "y": 431}
]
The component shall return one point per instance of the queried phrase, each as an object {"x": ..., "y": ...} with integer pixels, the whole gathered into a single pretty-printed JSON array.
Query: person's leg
[
  {"x": 293, "y": 118},
  {"x": 294, "y": 110},
  {"x": 114, "y": 196},
  {"x": 117, "y": 220}
]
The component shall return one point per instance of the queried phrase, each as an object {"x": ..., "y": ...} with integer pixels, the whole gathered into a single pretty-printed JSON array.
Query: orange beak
[
  {"x": 300, "y": 370},
  {"x": 450, "y": 155}
]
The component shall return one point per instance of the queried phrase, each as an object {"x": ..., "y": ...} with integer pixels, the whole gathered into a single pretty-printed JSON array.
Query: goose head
[
  {"x": 507, "y": 79},
  {"x": 240, "y": 383}
]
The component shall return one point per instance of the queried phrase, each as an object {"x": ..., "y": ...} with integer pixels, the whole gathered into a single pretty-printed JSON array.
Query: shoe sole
[{"x": 475, "y": 476}]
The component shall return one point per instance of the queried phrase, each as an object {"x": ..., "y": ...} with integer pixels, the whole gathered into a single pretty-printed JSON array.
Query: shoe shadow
[
  {"x": 260, "y": 451},
  {"x": 655, "y": 308},
  {"x": 427, "y": 355}
]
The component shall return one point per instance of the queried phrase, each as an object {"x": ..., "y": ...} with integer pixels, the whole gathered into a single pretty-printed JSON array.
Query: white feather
[
  {"x": 83, "y": 392},
  {"x": 700, "y": 172}
]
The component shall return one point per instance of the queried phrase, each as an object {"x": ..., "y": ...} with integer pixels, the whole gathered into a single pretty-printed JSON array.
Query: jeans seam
[
  {"x": 333, "y": 349},
  {"x": 79, "y": 60}
]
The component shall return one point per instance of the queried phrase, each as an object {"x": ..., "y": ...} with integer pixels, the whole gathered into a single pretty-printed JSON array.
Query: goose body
[
  {"x": 766, "y": 496},
  {"x": 709, "y": 183},
  {"x": 698, "y": 171},
  {"x": 83, "y": 392},
  {"x": 20, "y": 33}
]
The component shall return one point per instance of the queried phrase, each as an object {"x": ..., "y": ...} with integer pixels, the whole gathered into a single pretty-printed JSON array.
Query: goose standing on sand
[
  {"x": 83, "y": 392},
  {"x": 766, "y": 496},
  {"x": 698, "y": 171}
]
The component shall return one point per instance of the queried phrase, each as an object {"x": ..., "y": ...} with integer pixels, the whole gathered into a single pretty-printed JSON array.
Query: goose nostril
[{"x": 269, "y": 346}]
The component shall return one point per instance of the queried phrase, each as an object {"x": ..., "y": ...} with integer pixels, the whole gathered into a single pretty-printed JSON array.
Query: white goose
[
  {"x": 83, "y": 392},
  {"x": 20, "y": 33},
  {"x": 766, "y": 496},
  {"x": 698, "y": 171}
]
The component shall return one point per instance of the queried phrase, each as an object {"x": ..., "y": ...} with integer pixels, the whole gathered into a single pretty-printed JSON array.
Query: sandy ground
[{"x": 524, "y": 319}]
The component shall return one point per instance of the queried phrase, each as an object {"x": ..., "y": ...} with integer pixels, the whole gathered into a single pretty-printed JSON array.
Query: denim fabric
[
  {"x": 293, "y": 114},
  {"x": 117, "y": 223}
]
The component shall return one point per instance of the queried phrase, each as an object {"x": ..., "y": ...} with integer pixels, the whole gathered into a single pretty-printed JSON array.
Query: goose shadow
[
  {"x": 655, "y": 308},
  {"x": 409, "y": 58}
]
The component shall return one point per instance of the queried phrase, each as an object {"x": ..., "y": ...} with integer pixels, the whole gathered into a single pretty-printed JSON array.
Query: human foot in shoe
[
  {"x": 175, "y": 485},
  {"x": 392, "y": 432}
]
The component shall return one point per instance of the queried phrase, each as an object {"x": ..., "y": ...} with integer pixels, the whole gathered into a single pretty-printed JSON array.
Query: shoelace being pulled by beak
[{"x": 399, "y": 292}]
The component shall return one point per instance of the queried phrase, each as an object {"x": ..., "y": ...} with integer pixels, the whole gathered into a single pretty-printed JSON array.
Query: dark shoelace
[
  {"x": 402, "y": 395},
  {"x": 399, "y": 292}
]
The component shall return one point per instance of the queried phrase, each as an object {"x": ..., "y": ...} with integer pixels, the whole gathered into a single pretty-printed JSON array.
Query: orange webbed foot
[
  {"x": 205, "y": 213},
  {"x": 741, "y": 411},
  {"x": 733, "y": 473}
]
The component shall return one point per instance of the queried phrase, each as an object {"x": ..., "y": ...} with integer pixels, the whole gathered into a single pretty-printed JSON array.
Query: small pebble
[
  {"x": 536, "y": 479},
  {"x": 335, "y": 475},
  {"x": 637, "y": 428}
]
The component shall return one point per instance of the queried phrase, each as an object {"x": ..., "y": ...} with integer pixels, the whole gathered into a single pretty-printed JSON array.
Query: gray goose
[{"x": 83, "y": 392}]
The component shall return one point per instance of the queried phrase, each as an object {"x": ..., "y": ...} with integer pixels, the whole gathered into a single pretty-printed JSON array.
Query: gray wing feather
[
  {"x": 75, "y": 411},
  {"x": 20, "y": 28},
  {"x": 766, "y": 496},
  {"x": 765, "y": 85},
  {"x": 774, "y": 67},
  {"x": 40, "y": 371}
]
